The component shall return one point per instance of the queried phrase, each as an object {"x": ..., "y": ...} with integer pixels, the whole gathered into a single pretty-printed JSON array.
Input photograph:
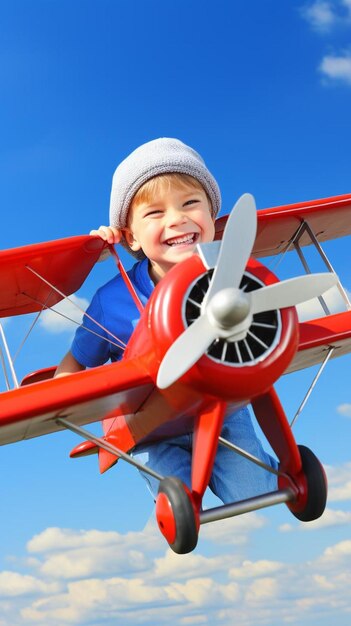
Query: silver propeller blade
[
  {"x": 185, "y": 351},
  {"x": 291, "y": 292},
  {"x": 237, "y": 242}
]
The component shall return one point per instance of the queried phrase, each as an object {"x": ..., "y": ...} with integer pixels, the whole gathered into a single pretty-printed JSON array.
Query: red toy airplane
[{"x": 219, "y": 328}]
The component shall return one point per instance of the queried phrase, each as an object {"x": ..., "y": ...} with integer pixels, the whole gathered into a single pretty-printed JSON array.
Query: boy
[{"x": 163, "y": 202}]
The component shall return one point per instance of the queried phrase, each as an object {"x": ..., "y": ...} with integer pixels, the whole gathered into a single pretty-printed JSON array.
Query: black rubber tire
[
  {"x": 317, "y": 488},
  {"x": 182, "y": 508}
]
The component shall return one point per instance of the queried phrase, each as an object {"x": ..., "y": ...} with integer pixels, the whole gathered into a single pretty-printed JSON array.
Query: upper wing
[
  {"x": 328, "y": 218},
  {"x": 64, "y": 263},
  {"x": 318, "y": 336},
  {"x": 84, "y": 397}
]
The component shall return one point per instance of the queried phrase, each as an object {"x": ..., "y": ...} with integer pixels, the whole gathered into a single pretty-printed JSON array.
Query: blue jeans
[{"x": 233, "y": 477}]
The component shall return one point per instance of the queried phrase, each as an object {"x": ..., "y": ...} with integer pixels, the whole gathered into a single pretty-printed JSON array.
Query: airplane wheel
[
  {"x": 175, "y": 515},
  {"x": 317, "y": 487}
]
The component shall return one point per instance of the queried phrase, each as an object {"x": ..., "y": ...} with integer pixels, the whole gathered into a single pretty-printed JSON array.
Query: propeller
[
  {"x": 227, "y": 310},
  {"x": 239, "y": 235}
]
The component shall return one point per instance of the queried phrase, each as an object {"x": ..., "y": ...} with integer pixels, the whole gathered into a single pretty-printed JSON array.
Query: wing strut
[
  {"x": 9, "y": 358},
  {"x": 312, "y": 386},
  {"x": 126, "y": 279},
  {"x": 101, "y": 443},
  {"x": 306, "y": 227}
]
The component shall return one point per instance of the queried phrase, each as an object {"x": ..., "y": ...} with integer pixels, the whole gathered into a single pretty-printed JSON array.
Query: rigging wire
[
  {"x": 25, "y": 339},
  {"x": 123, "y": 345},
  {"x": 4, "y": 369}
]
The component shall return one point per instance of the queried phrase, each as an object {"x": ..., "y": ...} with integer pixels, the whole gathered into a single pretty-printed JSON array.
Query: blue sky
[{"x": 263, "y": 91}]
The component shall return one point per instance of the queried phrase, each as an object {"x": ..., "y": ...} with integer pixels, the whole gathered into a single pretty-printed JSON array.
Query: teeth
[{"x": 178, "y": 240}]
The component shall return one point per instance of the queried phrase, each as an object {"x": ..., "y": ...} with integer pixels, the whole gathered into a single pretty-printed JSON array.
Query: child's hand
[{"x": 108, "y": 233}]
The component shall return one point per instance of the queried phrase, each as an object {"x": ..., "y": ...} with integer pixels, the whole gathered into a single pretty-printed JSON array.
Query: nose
[{"x": 175, "y": 216}]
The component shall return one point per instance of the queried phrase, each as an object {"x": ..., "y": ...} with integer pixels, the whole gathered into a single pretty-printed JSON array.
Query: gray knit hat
[{"x": 160, "y": 156}]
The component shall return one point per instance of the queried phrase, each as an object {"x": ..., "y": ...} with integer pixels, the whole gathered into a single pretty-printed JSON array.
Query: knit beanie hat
[{"x": 160, "y": 156}]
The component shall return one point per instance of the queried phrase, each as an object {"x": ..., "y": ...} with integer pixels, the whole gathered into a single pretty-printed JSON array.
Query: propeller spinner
[{"x": 227, "y": 310}]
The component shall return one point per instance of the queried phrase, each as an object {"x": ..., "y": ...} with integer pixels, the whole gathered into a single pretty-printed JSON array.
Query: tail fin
[
  {"x": 118, "y": 435},
  {"x": 106, "y": 460}
]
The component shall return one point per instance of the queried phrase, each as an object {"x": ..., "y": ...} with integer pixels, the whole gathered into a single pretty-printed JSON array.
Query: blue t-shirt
[{"x": 113, "y": 307}]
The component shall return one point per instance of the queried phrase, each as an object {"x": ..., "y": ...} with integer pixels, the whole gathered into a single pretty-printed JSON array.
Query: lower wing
[
  {"x": 319, "y": 336},
  {"x": 32, "y": 410}
]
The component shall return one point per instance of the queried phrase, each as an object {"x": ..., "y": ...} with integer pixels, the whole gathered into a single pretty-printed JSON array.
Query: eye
[
  {"x": 153, "y": 213},
  {"x": 191, "y": 201}
]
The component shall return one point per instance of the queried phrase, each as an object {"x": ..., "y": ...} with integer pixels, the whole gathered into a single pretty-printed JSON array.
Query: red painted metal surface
[
  {"x": 207, "y": 431},
  {"x": 329, "y": 218},
  {"x": 208, "y": 376},
  {"x": 318, "y": 335},
  {"x": 84, "y": 397},
  {"x": 165, "y": 518},
  {"x": 65, "y": 263},
  {"x": 271, "y": 417}
]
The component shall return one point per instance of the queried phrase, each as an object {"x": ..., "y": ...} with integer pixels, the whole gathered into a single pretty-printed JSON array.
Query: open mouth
[{"x": 183, "y": 240}]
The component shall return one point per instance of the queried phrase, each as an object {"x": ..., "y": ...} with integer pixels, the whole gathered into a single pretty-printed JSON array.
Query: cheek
[
  {"x": 153, "y": 229},
  {"x": 210, "y": 229},
  {"x": 149, "y": 236}
]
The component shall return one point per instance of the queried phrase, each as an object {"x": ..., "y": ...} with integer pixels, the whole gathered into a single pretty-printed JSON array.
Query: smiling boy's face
[{"x": 168, "y": 225}]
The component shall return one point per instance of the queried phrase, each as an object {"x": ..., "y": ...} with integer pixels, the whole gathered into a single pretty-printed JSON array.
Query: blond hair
[{"x": 148, "y": 190}]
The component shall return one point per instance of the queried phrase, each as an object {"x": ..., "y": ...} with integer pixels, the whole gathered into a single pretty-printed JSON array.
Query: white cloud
[
  {"x": 57, "y": 539},
  {"x": 203, "y": 591},
  {"x": 320, "y": 15},
  {"x": 83, "y": 563},
  {"x": 337, "y": 68},
  {"x": 13, "y": 584},
  {"x": 205, "y": 587},
  {"x": 262, "y": 590},
  {"x": 251, "y": 569},
  {"x": 286, "y": 528},
  {"x": 64, "y": 316},
  {"x": 232, "y": 531},
  {"x": 194, "y": 619},
  {"x": 86, "y": 599},
  {"x": 324, "y": 15},
  {"x": 131, "y": 601},
  {"x": 74, "y": 554},
  {"x": 344, "y": 409},
  {"x": 173, "y": 566},
  {"x": 336, "y": 554},
  {"x": 69, "y": 554},
  {"x": 339, "y": 482},
  {"x": 327, "y": 17},
  {"x": 330, "y": 519},
  {"x": 341, "y": 492}
]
